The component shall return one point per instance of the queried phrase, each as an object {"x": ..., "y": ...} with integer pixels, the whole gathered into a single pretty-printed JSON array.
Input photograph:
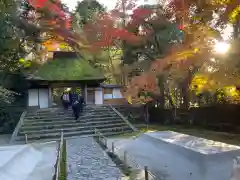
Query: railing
[
  {"x": 16, "y": 130},
  {"x": 100, "y": 137},
  {"x": 26, "y": 139},
  {"x": 59, "y": 158},
  {"x": 123, "y": 118},
  {"x": 103, "y": 140}
]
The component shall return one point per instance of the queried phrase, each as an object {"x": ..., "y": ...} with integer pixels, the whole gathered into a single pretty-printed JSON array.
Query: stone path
[{"x": 87, "y": 161}]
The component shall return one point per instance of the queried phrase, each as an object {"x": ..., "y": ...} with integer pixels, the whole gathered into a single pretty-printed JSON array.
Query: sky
[{"x": 110, "y": 4}]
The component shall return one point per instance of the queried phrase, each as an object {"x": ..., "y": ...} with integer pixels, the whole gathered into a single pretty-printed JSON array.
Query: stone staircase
[{"x": 47, "y": 124}]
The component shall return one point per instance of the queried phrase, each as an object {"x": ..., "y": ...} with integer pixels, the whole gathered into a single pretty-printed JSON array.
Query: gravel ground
[{"x": 87, "y": 161}]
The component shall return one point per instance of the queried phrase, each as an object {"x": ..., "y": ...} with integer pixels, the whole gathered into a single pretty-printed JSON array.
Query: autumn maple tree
[
  {"x": 53, "y": 23},
  {"x": 219, "y": 71},
  {"x": 173, "y": 62},
  {"x": 106, "y": 33},
  {"x": 185, "y": 60}
]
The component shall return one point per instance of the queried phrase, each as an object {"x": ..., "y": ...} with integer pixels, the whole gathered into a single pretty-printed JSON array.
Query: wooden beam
[{"x": 85, "y": 88}]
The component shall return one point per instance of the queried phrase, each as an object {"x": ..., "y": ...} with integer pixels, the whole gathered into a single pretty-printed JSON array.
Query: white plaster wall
[
  {"x": 50, "y": 98},
  {"x": 98, "y": 96},
  {"x": 33, "y": 97},
  {"x": 43, "y": 98},
  {"x": 117, "y": 93},
  {"x": 108, "y": 96}
]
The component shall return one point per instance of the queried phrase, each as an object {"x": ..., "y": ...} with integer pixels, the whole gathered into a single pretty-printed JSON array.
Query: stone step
[
  {"x": 50, "y": 113},
  {"x": 92, "y": 115},
  {"x": 47, "y": 124},
  {"x": 48, "y": 118},
  {"x": 63, "y": 121},
  {"x": 69, "y": 134},
  {"x": 68, "y": 112},
  {"x": 106, "y": 134},
  {"x": 67, "y": 124},
  {"x": 73, "y": 128}
]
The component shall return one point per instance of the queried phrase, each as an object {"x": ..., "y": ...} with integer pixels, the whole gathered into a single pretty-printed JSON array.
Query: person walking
[
  {"x": 74, "y": 97},
  {"x": 76, "y": 109},
  {"x": 82, "y": 103},
  {"x": 70, "y": 98},
  {"x": 65, "y": 100},
  {"x": 75, "y": 105}
]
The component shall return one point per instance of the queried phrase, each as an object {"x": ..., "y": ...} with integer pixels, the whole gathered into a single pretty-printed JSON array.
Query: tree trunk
[
  {"x": 168, "y": 95},
  {"x": 123, "y": 42},
  {"x": 236, "y": 29},
  {"x": 185, "y": 87},
  {"x": 185, "y": 95},
  {"x": 162, "y": 93},
  {"x": 146, "y": 113}
]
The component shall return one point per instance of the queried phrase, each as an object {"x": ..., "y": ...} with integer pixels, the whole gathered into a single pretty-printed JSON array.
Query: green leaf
[{"x": 21, "y": 60}]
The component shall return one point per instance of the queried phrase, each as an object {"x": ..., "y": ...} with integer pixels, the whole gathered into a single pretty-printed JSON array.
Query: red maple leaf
[
  {"x": 181, "y": 27},
  {"x": 61, "y": 17},
  {"x": 38, "y": 3},
  {"x": 141, "y": 12}
]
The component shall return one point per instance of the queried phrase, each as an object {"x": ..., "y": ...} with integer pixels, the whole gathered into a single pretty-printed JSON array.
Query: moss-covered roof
[{"x": 67, "y": 69}]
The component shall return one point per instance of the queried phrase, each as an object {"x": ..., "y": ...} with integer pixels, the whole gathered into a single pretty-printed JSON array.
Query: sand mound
[
  {"x": 172, "y": 158},
  {"x": 28, "y": 162}
]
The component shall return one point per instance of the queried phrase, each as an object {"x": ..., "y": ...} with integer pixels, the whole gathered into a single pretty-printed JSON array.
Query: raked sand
[
  {"x": 175, "y": 156},
  {"x": 28, "y": 162}
]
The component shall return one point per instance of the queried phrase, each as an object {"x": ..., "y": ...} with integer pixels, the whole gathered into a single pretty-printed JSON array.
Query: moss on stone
[{"x": 67, "y": 69}]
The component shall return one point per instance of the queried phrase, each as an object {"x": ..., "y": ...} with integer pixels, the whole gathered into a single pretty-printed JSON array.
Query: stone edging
[
  {"x": 123, "y": 118},
  {"x": 16, "y": 130}
]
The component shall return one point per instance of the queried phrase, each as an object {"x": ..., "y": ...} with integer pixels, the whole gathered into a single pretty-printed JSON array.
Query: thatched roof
[{"x": 66, "y": 69}]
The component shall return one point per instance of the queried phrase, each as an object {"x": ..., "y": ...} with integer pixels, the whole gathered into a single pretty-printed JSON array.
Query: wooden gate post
[{"x": 146, "y": 172}]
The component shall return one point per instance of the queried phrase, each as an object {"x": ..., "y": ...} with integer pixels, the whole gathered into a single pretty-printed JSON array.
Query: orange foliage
[{"x": 147, "y": 82}]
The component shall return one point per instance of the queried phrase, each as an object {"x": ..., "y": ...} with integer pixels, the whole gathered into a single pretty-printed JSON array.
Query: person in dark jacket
[
  {"x": 70, "y": 98},
  {"x": 75, "y": 104},
  {"x": 76, "y": 109},
  {"x": 74, "y": 97},
  {"x": 82, "y": 103}
]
